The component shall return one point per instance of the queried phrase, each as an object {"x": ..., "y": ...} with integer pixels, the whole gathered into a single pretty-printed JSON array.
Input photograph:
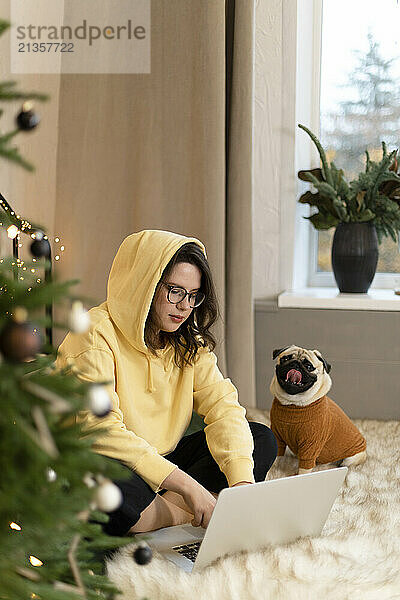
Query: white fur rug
[{"x": 357, "y": 557}]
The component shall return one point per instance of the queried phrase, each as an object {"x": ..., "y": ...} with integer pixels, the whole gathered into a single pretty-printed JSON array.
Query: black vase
[{"x": 354, "y": 256}]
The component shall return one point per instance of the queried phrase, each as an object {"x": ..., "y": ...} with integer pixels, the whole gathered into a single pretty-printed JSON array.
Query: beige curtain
[
  {"x": 127, "y": 152},
  {"x": 239, "y": 331}
]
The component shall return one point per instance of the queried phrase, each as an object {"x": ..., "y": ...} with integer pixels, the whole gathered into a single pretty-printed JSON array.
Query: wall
[
  {"x": 274, "y": 146},
  {"x": 362, "y": 347}
]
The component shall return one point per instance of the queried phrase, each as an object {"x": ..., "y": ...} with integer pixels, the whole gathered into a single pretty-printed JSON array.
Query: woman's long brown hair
[{"x": 195, "y": 331}]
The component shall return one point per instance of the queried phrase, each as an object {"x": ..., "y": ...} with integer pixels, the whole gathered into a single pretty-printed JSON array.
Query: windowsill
[{"x": 331, "y": 298}]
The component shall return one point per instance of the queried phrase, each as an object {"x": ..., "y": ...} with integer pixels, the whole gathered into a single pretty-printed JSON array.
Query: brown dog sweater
[{"x": 318, "y": 433}]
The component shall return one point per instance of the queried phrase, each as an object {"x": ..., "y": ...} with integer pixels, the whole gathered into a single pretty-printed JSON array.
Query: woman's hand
[{"x": 199, "y": 500}]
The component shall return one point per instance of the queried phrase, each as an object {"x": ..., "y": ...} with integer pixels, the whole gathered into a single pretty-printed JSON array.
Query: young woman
[{"x": 151, "y": 339}]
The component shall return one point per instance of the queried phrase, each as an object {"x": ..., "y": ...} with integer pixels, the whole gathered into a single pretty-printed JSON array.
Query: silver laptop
[{"x": 250, "y": 517}]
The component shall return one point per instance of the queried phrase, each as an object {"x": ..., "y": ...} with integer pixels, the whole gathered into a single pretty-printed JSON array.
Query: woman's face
[{"x": 169, "y": 317}]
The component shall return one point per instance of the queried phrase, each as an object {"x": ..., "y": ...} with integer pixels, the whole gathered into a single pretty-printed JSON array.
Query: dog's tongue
[{"x": 293, "y": 376}]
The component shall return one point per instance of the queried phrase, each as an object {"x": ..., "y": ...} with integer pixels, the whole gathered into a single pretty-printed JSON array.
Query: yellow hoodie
[{"x": 152, "y": 399}]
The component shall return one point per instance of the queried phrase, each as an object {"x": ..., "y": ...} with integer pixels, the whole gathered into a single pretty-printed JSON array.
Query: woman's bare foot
[{"x": 161, "y": 513}]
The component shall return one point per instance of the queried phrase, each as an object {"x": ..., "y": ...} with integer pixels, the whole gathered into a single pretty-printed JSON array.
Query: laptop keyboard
[{"x": 188, "y": 550}]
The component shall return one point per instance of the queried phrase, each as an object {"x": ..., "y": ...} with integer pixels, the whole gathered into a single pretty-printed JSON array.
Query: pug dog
[{"x": 304, "y": 418}]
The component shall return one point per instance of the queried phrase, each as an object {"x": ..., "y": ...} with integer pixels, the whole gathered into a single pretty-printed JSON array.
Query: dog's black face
[{"x": 294, "y": 375}]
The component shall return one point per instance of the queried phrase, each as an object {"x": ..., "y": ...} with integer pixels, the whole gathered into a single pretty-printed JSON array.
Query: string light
[
  {"x": 12, "y": 232},
  {"x": 23, "y": 223},
  {"x": 57, "y": 240},
  {"x": 15, "y": 526},
  {"x": 24, "y": 226},
  {"x": 35, "y": 562}
]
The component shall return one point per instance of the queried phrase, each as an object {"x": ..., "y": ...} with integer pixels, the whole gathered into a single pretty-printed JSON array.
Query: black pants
[{"x": 192, "y": 456}]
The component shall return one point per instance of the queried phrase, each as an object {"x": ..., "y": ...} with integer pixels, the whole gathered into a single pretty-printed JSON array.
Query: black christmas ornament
[
  {"x": 143, "y": 554},
  {"x": 40, "y": 248},
  {"x": 27, "y": 119},
  {"x": 20, "y": 340}
]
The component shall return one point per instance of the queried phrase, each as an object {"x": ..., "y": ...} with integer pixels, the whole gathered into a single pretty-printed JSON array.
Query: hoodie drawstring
[
  {"x": 167, "y": 360},
  {"x": 150, "y": 384}
]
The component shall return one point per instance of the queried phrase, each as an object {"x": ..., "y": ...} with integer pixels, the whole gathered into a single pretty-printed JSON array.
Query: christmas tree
[
  {"x": 370, "y": 116},
  {"x": 54, "y": 490}
]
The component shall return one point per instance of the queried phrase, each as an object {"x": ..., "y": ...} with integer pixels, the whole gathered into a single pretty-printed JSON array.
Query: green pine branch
[
  {"x": 8, "y": 93},
  {"x": 4, "y": 25},
  {"x": 14, "y": 156}
]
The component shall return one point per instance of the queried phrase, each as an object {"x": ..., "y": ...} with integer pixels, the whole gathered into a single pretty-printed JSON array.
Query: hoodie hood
[{"x": 134, "y": 274}]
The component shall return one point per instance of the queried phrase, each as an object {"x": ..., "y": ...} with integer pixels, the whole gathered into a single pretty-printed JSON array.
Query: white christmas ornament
[
  {"x": 51, "y": 475},
  {"x": 108, "y": 496},
  {"x": 99, "y": 400},
  {"x": 79, "y": 318},
  {"x": 12, "y": 232}
]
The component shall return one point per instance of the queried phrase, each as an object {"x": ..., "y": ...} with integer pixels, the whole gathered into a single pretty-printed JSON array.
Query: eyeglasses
[{"x": 177, "y": 294}]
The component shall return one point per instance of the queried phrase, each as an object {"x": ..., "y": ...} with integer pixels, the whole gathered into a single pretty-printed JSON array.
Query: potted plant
[{"x": 363, "y": 211}]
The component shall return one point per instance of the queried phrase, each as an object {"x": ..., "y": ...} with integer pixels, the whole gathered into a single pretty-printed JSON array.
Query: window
[{"x": 359, "y": 106}]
